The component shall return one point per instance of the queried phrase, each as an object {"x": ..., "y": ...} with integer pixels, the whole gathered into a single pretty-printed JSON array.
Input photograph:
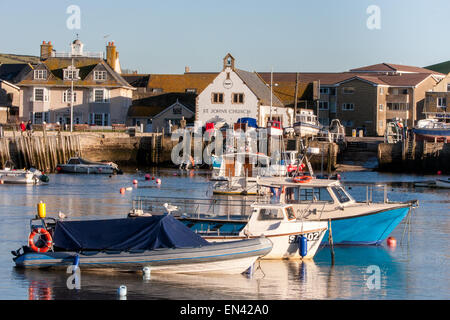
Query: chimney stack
[
  {"x": 187, "y": 69},
  {"x": 46, "y": 50},
  {"x": 111, "y": 55}
]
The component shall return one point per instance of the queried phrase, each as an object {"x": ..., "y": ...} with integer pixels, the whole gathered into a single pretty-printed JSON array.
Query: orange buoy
[
  {"x": 1, "y": 182},
  {"x": 391, "y": 242},
  {"x": 135, "y": 181},
  {"x": 122, "y": 190}
]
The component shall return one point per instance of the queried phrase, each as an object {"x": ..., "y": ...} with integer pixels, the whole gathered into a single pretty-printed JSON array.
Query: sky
[{"x": 286, "y": 35}]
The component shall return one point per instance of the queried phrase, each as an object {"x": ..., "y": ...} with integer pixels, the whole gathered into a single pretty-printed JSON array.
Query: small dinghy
[
  {"x": 159, "y": 242},
  {"x": 81, "y": 165}
]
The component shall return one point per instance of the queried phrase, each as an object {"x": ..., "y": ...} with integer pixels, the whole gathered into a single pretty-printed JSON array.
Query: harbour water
[{"x": 418, "y": 268}]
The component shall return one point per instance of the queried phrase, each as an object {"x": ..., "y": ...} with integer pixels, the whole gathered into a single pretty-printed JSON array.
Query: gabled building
[
  {"x": 235, "y": 93},
  {"x": 160, "y": 112},
  {"x": 100, "y": 95},
  {"x": 10, "y": 75}
]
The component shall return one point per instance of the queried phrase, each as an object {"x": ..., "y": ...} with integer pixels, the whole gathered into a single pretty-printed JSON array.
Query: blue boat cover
[
  {"x": 140, "y": 233},
  {"x": 251, "y": 122}
]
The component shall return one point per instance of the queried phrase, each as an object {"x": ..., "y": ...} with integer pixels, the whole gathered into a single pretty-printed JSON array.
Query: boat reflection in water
[{"x": 271, "y": 279}]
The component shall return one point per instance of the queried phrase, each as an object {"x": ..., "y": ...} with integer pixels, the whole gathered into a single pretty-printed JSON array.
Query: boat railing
[
  {"x": 374, "y": 192},
  {"x": 200, "y": 207}
]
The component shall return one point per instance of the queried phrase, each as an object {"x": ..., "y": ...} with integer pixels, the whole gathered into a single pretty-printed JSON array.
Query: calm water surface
[{"x": 417, "y": 268}]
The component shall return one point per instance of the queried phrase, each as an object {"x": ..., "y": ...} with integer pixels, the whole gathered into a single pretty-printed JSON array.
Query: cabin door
[{"x": 248, "y": 167}]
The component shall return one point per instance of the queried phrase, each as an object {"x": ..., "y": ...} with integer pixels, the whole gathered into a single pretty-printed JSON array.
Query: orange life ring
[
  {"x": 48, "y": 237},
  {"x": 302, "y": 179}
]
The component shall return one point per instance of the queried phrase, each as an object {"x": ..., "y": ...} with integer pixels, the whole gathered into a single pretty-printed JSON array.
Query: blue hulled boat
[{"x": 351, "y": 222}]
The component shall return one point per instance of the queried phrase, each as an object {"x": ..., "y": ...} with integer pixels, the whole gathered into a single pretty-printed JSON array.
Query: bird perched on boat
[
  {"x": 61, "y": 215},
  {"x": 169, "y": 208}
]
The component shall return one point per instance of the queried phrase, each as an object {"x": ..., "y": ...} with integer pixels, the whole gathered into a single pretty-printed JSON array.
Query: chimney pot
[{"x": 187, "y": 69}]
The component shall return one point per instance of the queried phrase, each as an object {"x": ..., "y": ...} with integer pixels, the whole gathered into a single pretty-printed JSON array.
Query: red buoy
[
  {"x": 147, "y": 177},
  {"x": 135, "y": 181},
  {"x": 153, "y": 178},
  {"x": 439, "y": 172},
  {"x": 391, "y": 242}
]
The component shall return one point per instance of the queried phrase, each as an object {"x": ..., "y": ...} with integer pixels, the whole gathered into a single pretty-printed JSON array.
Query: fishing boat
[
  {"x": 351, "y": 222},
  {"x": 292, "y": 237},
  {"x": 306, "y": 123},
  {"x": 432, "y": 129},
  {"x": 21, "y": 176},
  {"x": 274, "y": 128},
  {"x": 159, "y": 242},
  {"x": 81, "y": 165},
  {"x": 236, "y": 173}
]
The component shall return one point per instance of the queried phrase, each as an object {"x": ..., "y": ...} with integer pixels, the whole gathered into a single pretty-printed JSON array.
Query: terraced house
[{"x": 100, "y": 95}]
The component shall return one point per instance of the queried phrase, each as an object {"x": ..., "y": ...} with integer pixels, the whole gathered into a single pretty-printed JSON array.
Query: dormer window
[
  {"x": 99, "y": 75},
  {"x": 71, "y": 73},
  {"x": 40, "y": 74}
]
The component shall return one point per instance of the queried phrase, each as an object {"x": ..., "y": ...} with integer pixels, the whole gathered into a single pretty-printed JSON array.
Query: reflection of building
[
  {"x": 100, "y": 96},
  {"x": 235, "y": 94},
  {"x": 158, "y": 112}
]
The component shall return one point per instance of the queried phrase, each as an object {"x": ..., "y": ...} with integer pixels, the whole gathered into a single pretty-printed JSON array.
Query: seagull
[
  {"x": 61, "y": 215},
  {"x": 169, "y": 208}
]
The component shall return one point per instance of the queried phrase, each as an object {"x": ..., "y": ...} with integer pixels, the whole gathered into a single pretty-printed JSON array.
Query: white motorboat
[
  {"x": 21, "y": 176},
  {"x": 306, "y": 123},
  {"x": 292, "y": 237}
]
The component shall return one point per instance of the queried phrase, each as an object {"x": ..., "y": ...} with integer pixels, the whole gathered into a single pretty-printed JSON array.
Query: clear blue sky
[{"x": 290, "y": 35}]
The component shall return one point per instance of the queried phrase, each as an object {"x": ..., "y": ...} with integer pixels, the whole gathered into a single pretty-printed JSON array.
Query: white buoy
[
  {"x": 122, "y": 291},
  {"x": 146, "y": 271}
]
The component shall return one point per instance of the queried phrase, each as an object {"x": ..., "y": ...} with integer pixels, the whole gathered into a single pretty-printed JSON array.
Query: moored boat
[
  {"x": 306, "y": 123},
  {"x": 21, "y": 176},
  {"x": 159, "y": 242},
  {"x": 292, "y": 237},
  {"x": 351, "y": 222},
  {"x": 81, "y": 165},
  {"x": 432, "y": 130}
]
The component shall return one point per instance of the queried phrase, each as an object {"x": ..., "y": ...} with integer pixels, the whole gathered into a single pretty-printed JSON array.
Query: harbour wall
[
  {"x": 46, "y": 149},
  {"x": 414, "y": 156}
]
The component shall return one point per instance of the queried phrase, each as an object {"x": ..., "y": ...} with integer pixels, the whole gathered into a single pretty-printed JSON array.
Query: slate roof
[
  {"x": 14, "y": 72},
  {"x": 151, "y": 106},
  {"x": 390, "y": 67},
  {"x": 56, "y": 67},
  {"x": 259, "y": 87}
]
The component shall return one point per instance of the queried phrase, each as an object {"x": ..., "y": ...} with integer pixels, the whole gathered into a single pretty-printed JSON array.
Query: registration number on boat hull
[{"x": 311, "y": 236}]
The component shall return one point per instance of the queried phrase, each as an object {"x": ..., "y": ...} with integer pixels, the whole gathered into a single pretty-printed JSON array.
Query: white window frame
[
  {"x": 380, "y": 107},
  {"x": 99, "y": 75},
  {"x": 45, "y": 95},
  {"x": 40, "y": 74},
  {"x": 66, "y": 97},
  {"x": 45, "y": 117},
  {"x": 381, "y": 90},
  {"x": 105, "y": 95},
  {"x": 71, "y": 73},
  {"x": 345, "y": 106}
]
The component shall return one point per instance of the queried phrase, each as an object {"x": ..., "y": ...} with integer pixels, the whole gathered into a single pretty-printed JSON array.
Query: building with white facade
[{"x": 235, "y": 94}]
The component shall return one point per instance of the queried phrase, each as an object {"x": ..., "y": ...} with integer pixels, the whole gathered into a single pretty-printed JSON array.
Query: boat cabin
[
  {"x": 315, "y": 192},
  {"x": 242, "y": 164}
]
